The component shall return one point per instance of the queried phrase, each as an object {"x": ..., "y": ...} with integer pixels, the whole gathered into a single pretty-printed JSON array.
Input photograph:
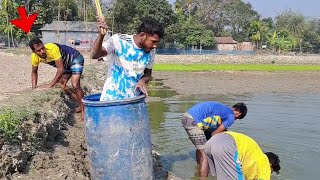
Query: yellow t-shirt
[
  {"x": 53, "y": 54},
  {"x": 255, "y": 164}
]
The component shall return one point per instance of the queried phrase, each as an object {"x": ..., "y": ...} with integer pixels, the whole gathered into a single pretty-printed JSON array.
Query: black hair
[
  {"x": 242, "y": 108},
  {"x": 152, "y": 27},
  {"x": 34, "y": 41},
  {"x": 274, "y": 161}
]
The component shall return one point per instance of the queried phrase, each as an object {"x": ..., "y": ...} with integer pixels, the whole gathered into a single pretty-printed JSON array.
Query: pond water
[{"x": 286, "y": 124}]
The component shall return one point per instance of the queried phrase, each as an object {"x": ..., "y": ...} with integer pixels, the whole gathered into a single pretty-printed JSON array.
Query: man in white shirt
[{"x": 131, "y": 59}]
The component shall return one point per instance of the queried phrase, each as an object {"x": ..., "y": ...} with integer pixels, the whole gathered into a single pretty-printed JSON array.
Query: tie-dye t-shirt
[{"x": 126, "y": 66}]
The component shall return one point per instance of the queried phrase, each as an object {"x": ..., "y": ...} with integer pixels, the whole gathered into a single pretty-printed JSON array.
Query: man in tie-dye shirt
[
  {"x": 206, "y": 119},
  {"x": 130, "y": 61}
]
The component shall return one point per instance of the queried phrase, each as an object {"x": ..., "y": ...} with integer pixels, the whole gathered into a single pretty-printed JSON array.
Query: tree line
[{"x": 188, "y": 23}]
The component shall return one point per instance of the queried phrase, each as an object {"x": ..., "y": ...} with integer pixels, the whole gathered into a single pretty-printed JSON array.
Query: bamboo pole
[{"x": 99, "y": 11}]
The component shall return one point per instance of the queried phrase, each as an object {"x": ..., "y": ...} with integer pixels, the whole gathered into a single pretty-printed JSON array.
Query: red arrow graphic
[{"x": 25, "y": 22}]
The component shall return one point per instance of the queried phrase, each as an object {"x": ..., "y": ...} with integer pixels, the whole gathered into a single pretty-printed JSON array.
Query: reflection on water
[
  {"x": 162, "y": 93},
  {"x": 156, "y": 89},
  {"x": 285, "y": 124}
]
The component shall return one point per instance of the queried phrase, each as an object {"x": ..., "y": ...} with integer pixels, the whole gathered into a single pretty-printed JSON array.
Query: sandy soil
[
  {"x": 15, "y": 74},
  {"x": 238, "y": 82},
  {"x": 68, "y": 161}
]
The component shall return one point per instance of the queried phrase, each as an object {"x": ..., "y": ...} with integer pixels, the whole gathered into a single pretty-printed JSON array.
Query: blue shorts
[{"x": 76, "y": 66}]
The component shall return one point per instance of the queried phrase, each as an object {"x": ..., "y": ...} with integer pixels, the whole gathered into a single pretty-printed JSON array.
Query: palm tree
[
  {"x": 295, "y": 23},
  {"x": 256, "y": 32},
  {"x": 297, "y": 26}
]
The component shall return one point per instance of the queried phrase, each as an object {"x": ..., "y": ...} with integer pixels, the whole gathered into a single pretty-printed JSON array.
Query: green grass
[
  {"x": 15, "y": 114},
  {"x": 234, "y": 67},
  {"x": 10, "y": 121}
]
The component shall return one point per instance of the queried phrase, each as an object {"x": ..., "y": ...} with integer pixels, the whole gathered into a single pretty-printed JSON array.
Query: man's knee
[{"x": 63, "y": 86}]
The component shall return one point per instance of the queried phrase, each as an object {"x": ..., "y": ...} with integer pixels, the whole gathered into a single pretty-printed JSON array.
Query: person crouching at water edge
[
  {"x": 206, "y": 119},
  {"x": 68, "y": 61},
  {"x": 131, "y": 59},
  {"x": 235, "y": 156}
]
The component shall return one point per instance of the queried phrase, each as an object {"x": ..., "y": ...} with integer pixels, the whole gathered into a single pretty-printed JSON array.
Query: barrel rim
[{"x": 108, "y": 103}]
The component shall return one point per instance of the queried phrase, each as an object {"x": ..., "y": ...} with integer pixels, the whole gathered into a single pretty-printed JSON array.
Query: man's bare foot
[{"x": 78, "y": 109}]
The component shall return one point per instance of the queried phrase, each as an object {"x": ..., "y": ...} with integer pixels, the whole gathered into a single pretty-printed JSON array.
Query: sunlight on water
[{"x": 285, "y": 124}]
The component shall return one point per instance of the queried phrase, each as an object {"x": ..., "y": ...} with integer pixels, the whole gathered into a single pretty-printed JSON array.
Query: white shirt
[{"x": 127, "y": 63}]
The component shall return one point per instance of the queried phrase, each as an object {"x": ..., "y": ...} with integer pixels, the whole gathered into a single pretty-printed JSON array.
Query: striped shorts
[
  {"x": 76, "y": 66},
  {"x": 195, "y": 133}
]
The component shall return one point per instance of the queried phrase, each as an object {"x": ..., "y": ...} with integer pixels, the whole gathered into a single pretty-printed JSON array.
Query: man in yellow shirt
[
  {"x": 235, "y": 156},
  {"x": 68, "y": 61}
]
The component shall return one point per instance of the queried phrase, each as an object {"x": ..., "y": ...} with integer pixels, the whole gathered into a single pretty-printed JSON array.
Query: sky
[{"x": 272, "y": 8}]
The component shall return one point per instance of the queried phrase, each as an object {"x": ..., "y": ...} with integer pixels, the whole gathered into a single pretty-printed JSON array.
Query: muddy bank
[
  {"x": 52, "y": 144},
  {"x": 49, "y": 142},
  {"x": 39, "y": 134},
  {"x": 240, "y": 82}
]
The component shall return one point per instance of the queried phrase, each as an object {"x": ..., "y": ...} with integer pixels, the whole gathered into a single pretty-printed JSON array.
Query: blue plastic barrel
[{"x": 118, "y": 138}]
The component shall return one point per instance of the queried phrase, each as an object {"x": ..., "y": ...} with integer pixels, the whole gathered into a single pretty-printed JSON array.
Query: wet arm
[
  {"x": 147, "y": 75},
  {"x": 142, "y": 84},
  {"x": 220, "y": 129}
]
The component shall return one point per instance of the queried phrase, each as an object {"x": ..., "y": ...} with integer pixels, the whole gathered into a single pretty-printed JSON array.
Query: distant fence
[{"x": 173, "y": 51}]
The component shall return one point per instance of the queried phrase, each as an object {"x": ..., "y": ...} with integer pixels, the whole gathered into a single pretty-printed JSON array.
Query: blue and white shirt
[{"x": 127, "y": 63}]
